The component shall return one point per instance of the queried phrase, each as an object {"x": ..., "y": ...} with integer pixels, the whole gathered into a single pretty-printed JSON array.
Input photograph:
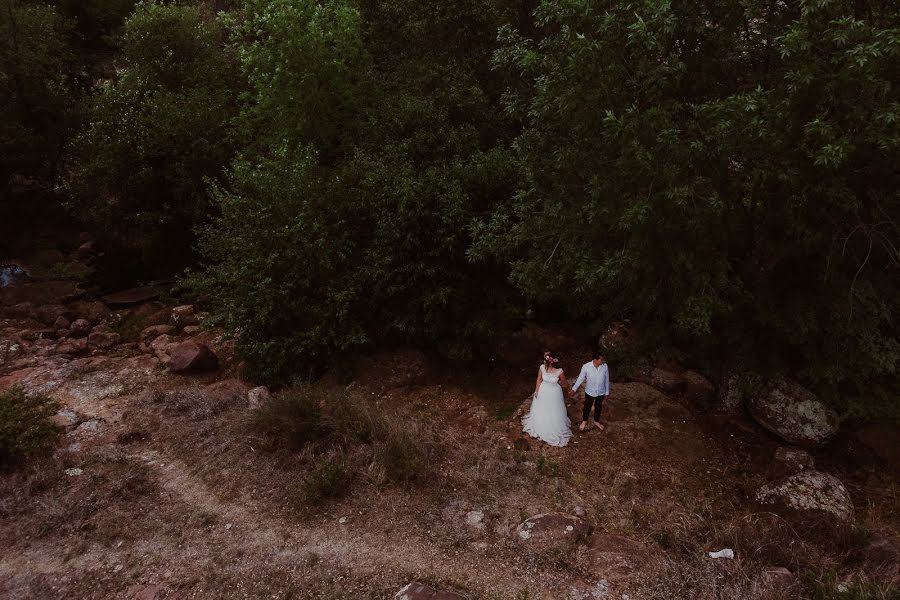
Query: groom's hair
[{"x": 598, "y": 353}]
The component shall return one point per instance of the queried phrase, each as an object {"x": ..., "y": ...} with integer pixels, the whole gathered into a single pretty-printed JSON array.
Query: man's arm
[
  {"x": 606, "y": 378},
  {"x": 580, "y": 380}
]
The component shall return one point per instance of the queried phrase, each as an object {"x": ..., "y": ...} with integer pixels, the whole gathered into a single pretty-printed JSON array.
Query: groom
[{"x": 597, "y": 389}]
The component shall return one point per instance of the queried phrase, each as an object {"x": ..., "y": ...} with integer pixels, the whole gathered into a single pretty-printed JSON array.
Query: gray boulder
[
  {"x": 808, "y": 494},
  {"x": 793, "y": 413}
]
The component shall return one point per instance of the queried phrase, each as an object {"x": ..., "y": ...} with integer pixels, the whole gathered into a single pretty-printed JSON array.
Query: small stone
[
  {"x": 723, "y": 553},
  {"x": 61, "y": 322},
  {"x": 80, "y": 328},
  {"x": 118, "y": 568},
  {"x": 73, "y": 472},
  {"x": 154, "y": 331},
  {"x": 192, "y": 330},
  {"x": 342, "y": 520},
  {"x": 475, "y": 518},
  {"x": 183, "y": 316},
  {"x": 229, "y": 525},
  {"x": 258, "y": 396}
]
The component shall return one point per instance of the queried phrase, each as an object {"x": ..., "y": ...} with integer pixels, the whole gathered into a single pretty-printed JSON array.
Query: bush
[
  {"x": 290, "y": 421},
  {"x": 395, "y": 447},
  {"x": 330, "y": 478},
  {"x": 25, "y": 428}
]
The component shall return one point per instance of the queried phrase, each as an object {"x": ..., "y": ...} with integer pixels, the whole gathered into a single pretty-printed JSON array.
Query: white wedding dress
[{"x": 548, "y": 419}]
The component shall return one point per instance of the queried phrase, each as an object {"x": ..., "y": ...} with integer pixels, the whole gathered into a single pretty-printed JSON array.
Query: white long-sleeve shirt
[{"x": 597, "y": 379}]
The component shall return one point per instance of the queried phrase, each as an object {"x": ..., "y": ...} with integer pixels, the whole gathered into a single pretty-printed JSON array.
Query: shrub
[
  {"x": 25, "y": 428},
  {"x": 330, "y": 478},
  {"x": 401, "y": 451},
  {"x": 290, "y": 421},
  {"x": 394, "y": 446}
]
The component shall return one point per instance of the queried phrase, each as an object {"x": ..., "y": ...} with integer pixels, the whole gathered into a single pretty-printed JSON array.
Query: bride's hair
[{"x": 551, "y": 360}]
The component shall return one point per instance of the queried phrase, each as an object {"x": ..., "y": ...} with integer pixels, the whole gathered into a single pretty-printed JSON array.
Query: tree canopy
[{"x": 358, "y": 173}]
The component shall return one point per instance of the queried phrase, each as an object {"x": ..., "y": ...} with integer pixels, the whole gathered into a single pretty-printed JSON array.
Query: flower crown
[{"x": 551, "y": 359}]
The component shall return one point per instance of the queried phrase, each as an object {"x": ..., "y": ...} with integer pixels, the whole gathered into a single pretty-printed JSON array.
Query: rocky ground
[{"x": 160, "y": 490}]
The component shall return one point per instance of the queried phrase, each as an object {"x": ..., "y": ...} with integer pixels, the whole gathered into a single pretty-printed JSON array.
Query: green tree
[
  {"x": 38, "y": 95},
  {"x": 370, "y": 147},
  {"x": 158, "y": 130},
  {"x": 279, "y": 253},
  {"x": 724, "y": 172}
]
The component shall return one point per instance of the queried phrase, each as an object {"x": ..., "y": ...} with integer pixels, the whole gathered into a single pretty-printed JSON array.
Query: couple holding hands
[{"x": 548, "y": 419}]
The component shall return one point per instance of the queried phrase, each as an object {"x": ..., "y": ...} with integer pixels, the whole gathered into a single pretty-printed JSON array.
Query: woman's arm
[
  {"x": 562, "y": 380},
  {"x": 537, "y": 384}
]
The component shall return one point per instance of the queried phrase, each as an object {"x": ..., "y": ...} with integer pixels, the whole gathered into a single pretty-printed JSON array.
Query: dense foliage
[
  {"x": 724, "y": 174},
  {"x": 158, "y": 130},
  {"x": 37, "y": 85},
  {"x": 370, "y": 150}
]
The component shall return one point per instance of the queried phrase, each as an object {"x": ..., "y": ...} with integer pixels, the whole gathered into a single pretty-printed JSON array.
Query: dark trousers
[{"x": 589, "y": 402}]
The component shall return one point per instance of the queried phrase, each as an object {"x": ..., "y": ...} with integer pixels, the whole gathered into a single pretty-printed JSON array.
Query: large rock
[
  {"x": 809, "y": 494},
  {"x": 162, "y": 347},
  {"x": 93, "y": 312},
  {"x": 191, "y": 357},
  {"x": 104, "y": 339},
  {"x": 666, "y": 381},
  {"x": 131, "y": 296},
  {"x": 154, "y": 331},
  {"x": 50, "y": 313},
  {"x": 698, "y": 388},
  {"x": 552, "y": 531},
  {"x": 183, "y": 316},
  {"x": 420, "y": 591},
  {"x": 72, "y": 346},
  {"x": 793, "y": 413},
  {"x": 80, "y": 328}
]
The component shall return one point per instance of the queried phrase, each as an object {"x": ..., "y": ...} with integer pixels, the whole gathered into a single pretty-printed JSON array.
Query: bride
[{"x": 548, "y": 419}]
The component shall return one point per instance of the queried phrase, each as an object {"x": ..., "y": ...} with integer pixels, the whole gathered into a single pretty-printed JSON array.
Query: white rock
[
  {"x": 74, "y": 472},
  {"x": 723, "y": 553},
  {"x": 474, "y": 518},
  {"x": 258, "y": 396}
]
